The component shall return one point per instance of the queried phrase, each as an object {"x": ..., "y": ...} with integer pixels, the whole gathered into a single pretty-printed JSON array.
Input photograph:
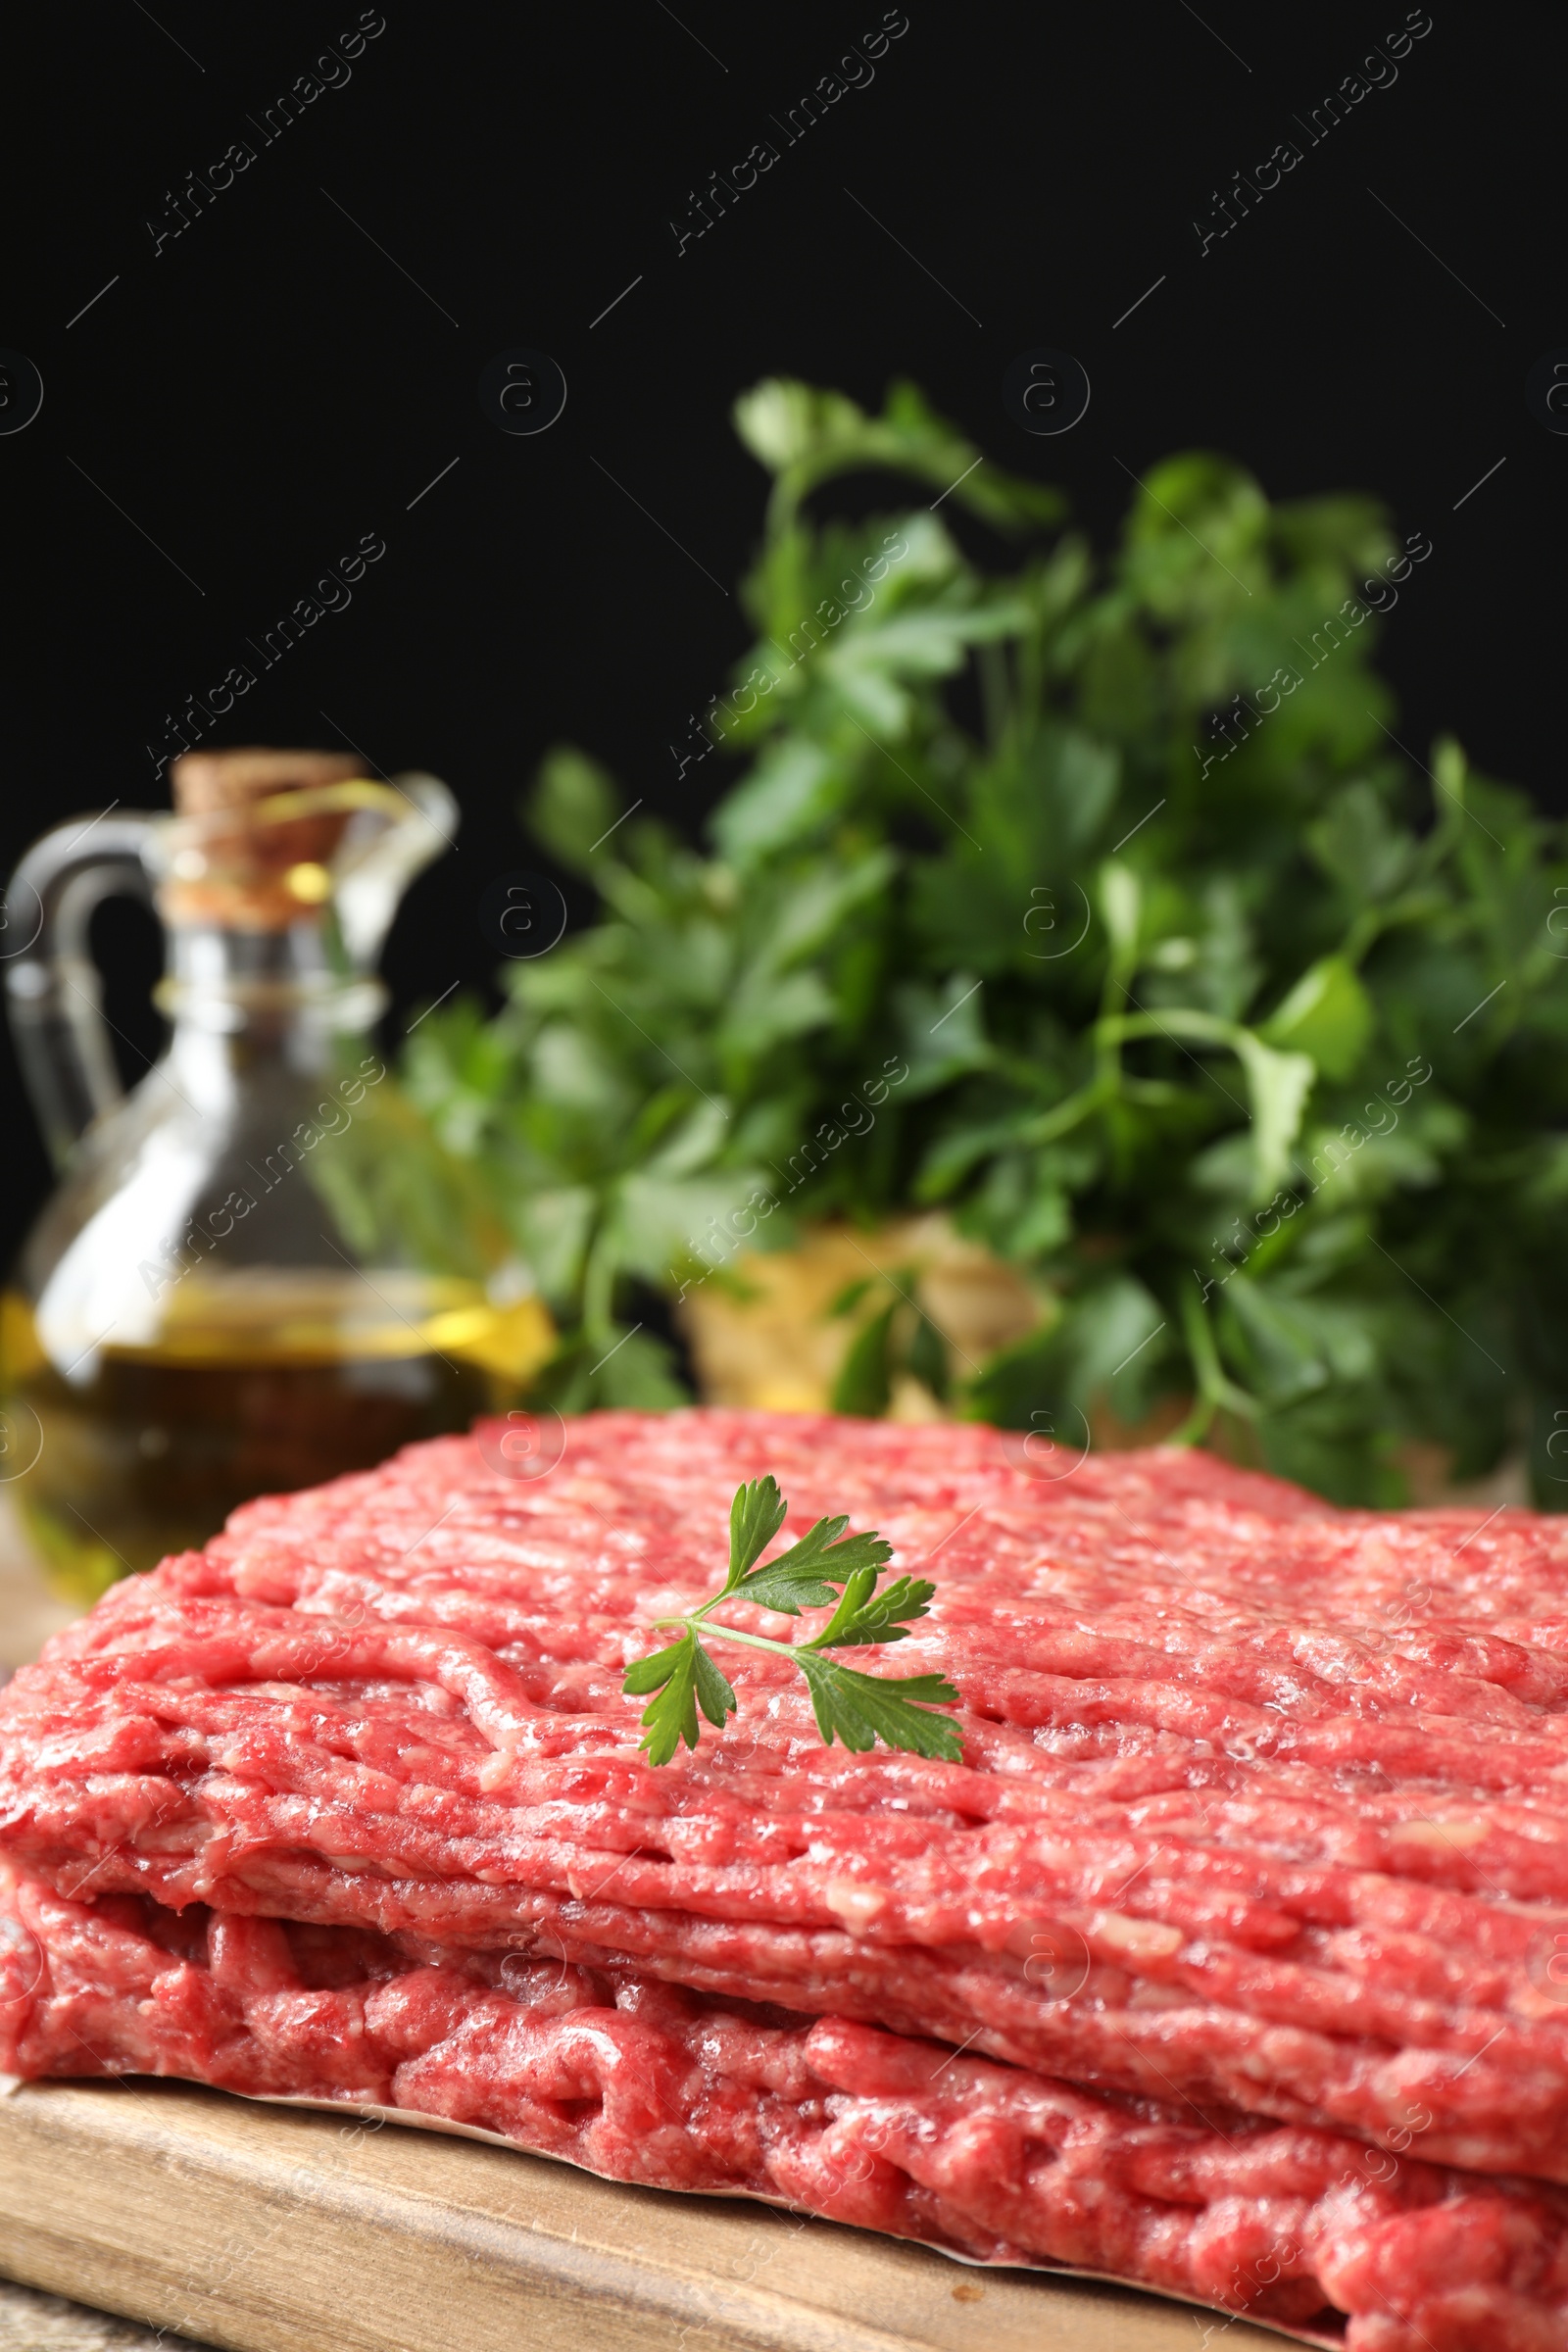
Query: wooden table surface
[{"x": 277, "y": 2230}]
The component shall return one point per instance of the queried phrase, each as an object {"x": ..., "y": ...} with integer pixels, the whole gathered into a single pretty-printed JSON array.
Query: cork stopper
[
  {"x": 255, "y": 835},
  {"x": 203, "y": 782}
]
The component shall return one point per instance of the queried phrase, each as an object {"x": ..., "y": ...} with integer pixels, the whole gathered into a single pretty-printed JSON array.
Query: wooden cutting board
[{"x": 274, "y": 2229}]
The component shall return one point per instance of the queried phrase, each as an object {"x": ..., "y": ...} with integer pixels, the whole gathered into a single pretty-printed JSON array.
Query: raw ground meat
[
  {"x": 1262, "y": 1805},
  {"x": 642, "y": 2080}
]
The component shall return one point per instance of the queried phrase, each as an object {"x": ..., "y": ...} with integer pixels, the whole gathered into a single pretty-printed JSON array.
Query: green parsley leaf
[
  {"x": 683, "y": 1677},
  {"x": 754, "y": 1518},
  {"x": 803, "y": 1577},
  {"x": 862, "y": 1708},
  {"x": 866, "y": 1615}
]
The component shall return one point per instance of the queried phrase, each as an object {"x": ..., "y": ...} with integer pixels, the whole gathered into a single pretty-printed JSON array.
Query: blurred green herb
[
  {"x": 1236, "y": 1031},
  {"x": 859, "y": 1709}
]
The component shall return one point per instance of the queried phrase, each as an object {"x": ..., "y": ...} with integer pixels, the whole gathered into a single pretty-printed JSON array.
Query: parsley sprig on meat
[{"x": 825, "y": 1569}]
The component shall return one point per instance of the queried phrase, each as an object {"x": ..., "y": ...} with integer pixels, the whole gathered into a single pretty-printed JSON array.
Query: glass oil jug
[{"x": 260, "y": 1269}]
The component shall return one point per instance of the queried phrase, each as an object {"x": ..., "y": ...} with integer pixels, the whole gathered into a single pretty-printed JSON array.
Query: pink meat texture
[
  {"x": 1258, "y": 1826},
  {"x": 646, "y": 2081}
]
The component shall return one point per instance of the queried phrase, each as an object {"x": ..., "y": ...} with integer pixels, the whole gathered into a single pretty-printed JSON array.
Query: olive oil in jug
[{"x": 260, "y": 1269}]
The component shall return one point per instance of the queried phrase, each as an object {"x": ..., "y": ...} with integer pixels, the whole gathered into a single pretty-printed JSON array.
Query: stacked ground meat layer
[{"x": 1232, "y": 1957}]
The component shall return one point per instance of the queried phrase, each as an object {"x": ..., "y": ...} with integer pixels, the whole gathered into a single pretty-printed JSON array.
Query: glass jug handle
[{"x": 53, "y": 993}]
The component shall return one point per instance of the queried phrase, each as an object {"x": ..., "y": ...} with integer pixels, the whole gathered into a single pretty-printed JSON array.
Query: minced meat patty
[
  {"x": 1261, "y": 1808},
  {"x": 644, "y": 2081}
]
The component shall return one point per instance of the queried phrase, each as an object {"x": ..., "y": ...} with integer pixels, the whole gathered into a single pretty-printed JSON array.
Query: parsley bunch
[
  {"x": 858, "y": 1708},
  {"x": 1232, "y": 1018}
]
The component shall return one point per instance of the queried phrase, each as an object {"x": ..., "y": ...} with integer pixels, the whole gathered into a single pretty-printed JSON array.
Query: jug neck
[
  {"x": 277, "y": 882},
  {"x": 238, "y": 997}
]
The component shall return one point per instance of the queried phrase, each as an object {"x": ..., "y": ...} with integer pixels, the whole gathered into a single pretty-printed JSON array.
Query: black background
[{"x": 281, "y": 379}]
